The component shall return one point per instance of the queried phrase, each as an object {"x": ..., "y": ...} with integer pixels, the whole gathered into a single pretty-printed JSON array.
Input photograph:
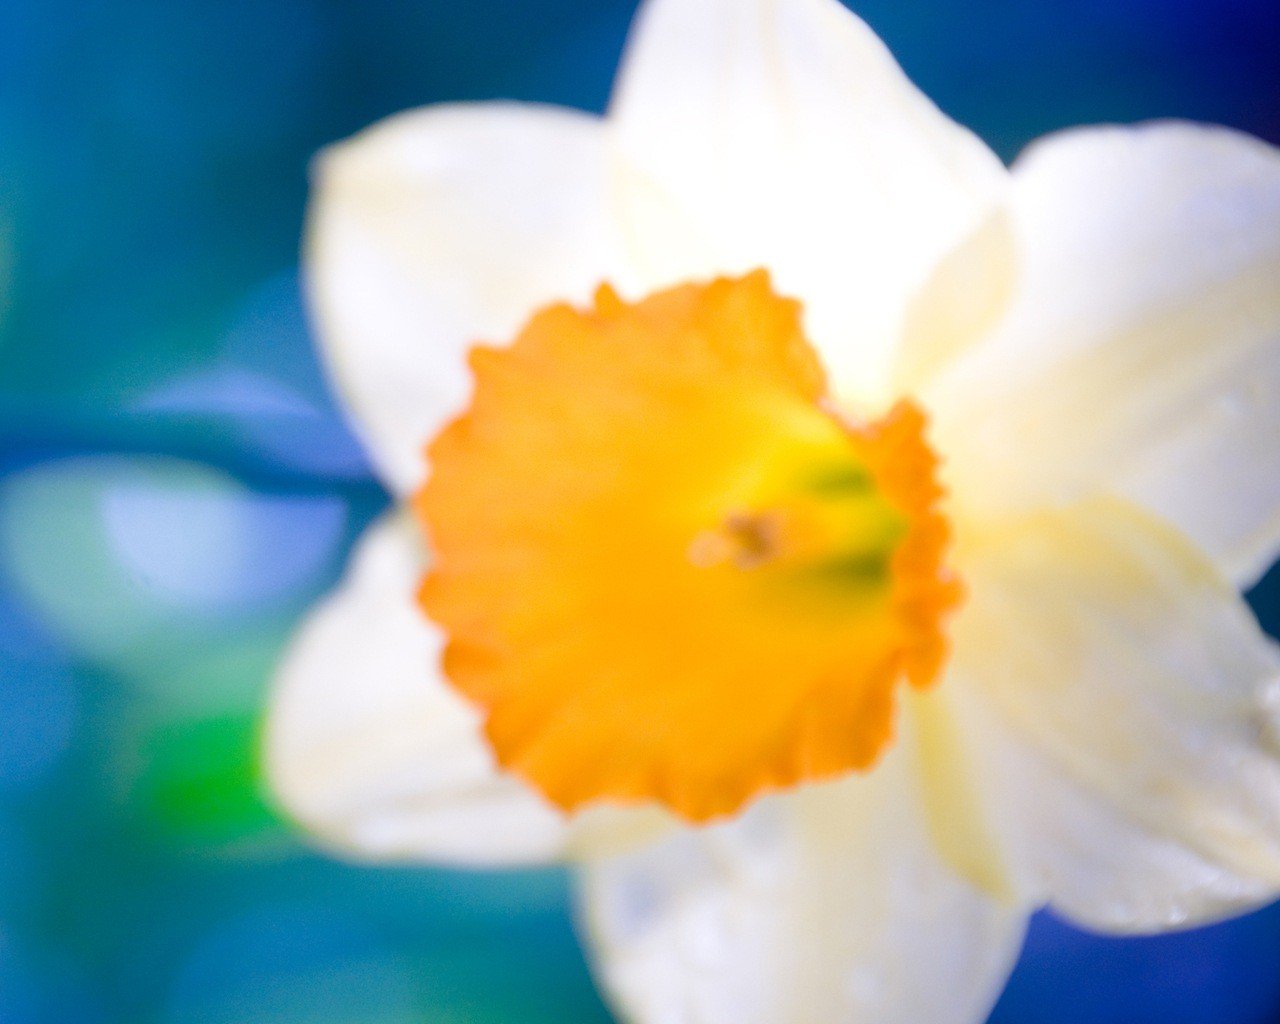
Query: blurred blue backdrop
[{"x": 176, "y": 488}]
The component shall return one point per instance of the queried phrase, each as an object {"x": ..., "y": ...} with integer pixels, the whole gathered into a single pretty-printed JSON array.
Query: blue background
[{"x": 176, "y": 488}]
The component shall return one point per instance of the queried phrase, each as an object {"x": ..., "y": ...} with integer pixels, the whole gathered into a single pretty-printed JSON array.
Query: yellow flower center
[{"x": 668, "y": 569}]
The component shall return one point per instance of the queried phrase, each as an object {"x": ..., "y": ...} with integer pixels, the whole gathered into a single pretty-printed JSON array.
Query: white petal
[
  {"x": 827, "y": 904},
  {"x": 1142, "y": 351},
  {"x": 438, "y": 229},
  {"x": 1123, "y": 708},
  {"x": 963, "y": 300},
  {"x": 759, "y": 133},
  {"x": 371, "y": 750}
]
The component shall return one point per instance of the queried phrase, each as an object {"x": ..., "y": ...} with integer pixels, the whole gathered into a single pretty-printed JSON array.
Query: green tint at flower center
[{"x": 819, "y": 524}]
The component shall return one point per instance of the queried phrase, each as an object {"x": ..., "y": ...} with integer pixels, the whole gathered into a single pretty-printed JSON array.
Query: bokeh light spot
[{"x": 129, "y": 558}]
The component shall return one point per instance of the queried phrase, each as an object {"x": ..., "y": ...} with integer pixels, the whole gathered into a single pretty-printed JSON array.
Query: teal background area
[{"x": 176, "y": 488}]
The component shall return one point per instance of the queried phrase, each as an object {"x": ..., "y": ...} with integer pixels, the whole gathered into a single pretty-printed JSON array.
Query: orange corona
[{"x": 668, "y": 569}]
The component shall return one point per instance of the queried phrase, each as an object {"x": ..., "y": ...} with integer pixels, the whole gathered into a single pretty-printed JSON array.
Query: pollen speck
[{"x": 746, "y": 539}]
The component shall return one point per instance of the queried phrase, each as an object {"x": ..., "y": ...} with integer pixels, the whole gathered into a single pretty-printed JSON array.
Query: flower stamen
[{"x": 747, "y": 539}]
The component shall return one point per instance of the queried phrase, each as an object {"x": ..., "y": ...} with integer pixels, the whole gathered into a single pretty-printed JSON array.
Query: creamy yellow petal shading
[
  {"x": 960, "y": 304},
  {"x": 437, "y": 229},
  {"x": 957, "y": 798},
  {"x": 1121, "y": 709},
  {"x": 370, "y": 749},
  {"x": 827, "y": 904},
  {"x": 1141, "y": 353},
  {"x": 752, "y": 133}
]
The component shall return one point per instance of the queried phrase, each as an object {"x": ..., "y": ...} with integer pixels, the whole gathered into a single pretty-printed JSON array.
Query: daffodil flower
[{"x": 826, "y": 538}]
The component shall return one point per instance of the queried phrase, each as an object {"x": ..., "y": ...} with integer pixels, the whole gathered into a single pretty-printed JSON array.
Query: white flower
[{"x": 1095, "y": 337}]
